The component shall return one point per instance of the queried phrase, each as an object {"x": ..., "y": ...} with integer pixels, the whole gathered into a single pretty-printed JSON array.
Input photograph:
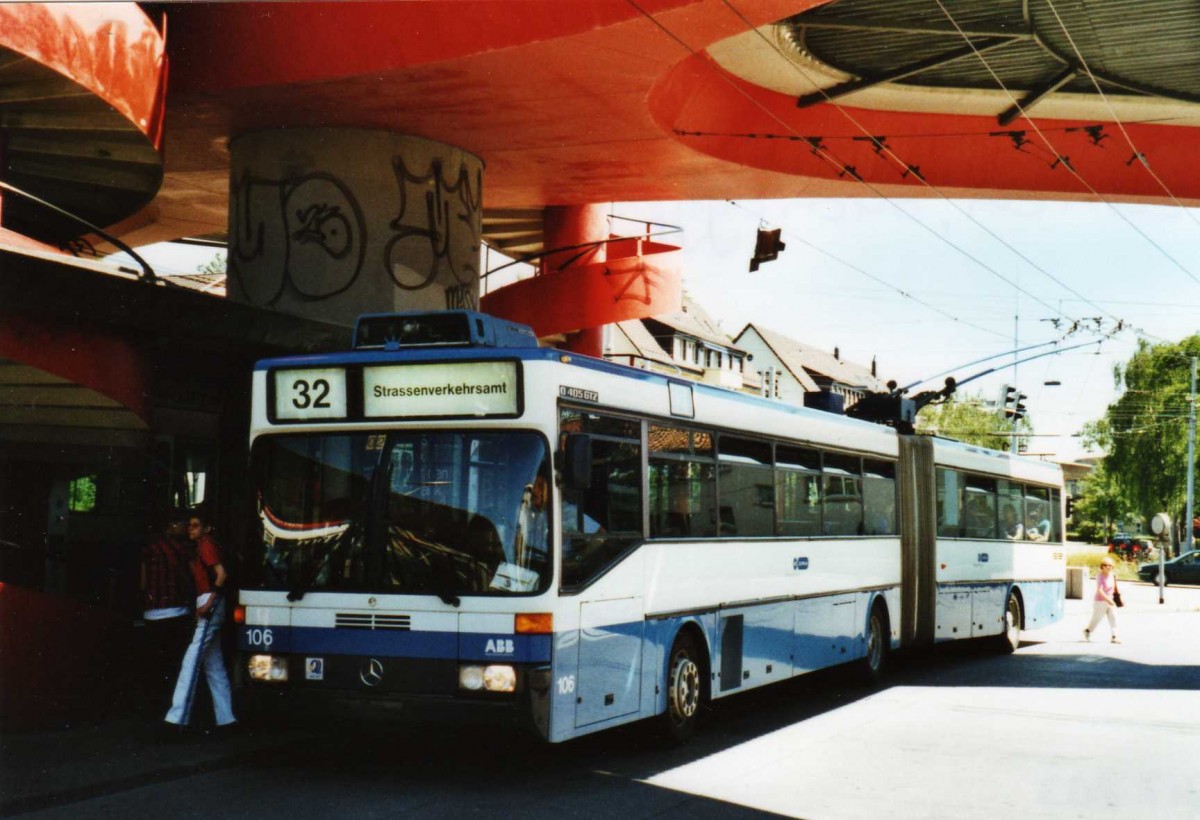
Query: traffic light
[
  {"x": 1018, "y": 408},
  {"x": 1070, "y": 506},
  {"x": 767, "y": 247},
  {"x": 1008, "y": 394},
  {"x": 1012, "y": 402}
]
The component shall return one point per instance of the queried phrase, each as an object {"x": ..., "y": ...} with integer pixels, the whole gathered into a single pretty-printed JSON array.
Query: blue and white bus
[{"x": 450, "y": 514}]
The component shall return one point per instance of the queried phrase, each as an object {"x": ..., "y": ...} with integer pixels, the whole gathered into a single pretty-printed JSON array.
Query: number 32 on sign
[{"x": 314, "y": 393}]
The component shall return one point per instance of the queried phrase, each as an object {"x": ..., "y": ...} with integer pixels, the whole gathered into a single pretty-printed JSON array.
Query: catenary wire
[
  {"x": 1050, "y": 146},
  {"x": 832, "y": 159},
  {"x": 1112, "y": 112},
  {"x": 892, "y": 154},
  {"x": 795, "y": 238}
]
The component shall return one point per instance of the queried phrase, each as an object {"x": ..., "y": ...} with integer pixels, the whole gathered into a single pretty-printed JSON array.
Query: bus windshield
[{"x": 446, "y": 513}]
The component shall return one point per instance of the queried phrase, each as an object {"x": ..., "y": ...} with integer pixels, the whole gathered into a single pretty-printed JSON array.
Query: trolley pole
[{"x": 1190, "y": 539}]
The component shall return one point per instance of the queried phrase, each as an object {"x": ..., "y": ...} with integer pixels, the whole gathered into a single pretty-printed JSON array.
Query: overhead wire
[
  {"x": 1050, "y": 146},
  {"x": 1145, "y": 163},
  {"x": 843, "y": 167},
  {"x": 796, "y": 238},
  {"x": 885, "y": 148}
]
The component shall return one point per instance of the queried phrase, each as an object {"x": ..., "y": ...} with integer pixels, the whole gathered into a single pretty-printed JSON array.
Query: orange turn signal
[
  {"x": 534, "y": 623},
  {"x": 239, "y": 614}
]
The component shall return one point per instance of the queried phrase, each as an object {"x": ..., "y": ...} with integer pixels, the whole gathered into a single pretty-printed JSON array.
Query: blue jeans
[{"x": 204, "y": 650}]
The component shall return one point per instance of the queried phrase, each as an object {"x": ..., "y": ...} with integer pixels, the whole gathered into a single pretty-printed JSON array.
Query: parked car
[
  {"x": 1182, "y": 570},
  {"x": 1131, "y": 547}
]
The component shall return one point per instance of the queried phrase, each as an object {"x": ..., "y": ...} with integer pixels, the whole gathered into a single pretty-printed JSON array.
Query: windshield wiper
[
  {"x": 445, "y": 579},
  {"x": 301, "y": 589}
]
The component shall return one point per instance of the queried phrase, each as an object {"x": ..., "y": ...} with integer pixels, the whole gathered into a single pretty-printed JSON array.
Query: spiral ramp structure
[{"x": 82, "y": 91}]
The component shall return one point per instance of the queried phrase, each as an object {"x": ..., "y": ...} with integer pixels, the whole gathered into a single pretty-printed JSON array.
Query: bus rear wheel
[
  {"x": 684, "y": 690},
  {"x": 1010, "y": 639},
  {"x": 874, "y": 665}
]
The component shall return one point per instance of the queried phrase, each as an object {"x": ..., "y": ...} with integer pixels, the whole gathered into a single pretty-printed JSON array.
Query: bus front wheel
[{"x": 684, "y": 689}]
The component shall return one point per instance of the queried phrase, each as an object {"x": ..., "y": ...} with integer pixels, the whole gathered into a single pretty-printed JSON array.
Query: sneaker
[
  {"x": 1087, "y": 635},
  {"x": 1115, "y": 639}
]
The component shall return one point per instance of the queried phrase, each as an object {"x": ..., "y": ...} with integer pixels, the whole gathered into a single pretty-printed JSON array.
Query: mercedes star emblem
[{"x": 371, "y": 673}]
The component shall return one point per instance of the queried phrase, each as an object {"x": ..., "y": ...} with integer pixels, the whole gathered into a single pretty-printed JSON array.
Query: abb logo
[{"x": 499, "y": 646}]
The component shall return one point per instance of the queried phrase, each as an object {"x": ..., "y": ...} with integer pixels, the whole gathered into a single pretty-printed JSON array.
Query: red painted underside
[
  {"x": 85, "y": 354},
  {"x": 581, "y": 102},
  {"x": 639, "y": 279},
  {"x": 111, "y": 49}
]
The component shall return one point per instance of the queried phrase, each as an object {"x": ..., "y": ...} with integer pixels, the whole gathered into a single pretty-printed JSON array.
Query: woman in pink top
[{"x": 1103, "y": 604}]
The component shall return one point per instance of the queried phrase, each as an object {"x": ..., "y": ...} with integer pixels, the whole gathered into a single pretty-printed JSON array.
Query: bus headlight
[
  {"x": 496, "y": 678},
  {"x": 268, "y": 668},
  {"x": 500, "y": 679},
  {"x": 470, "y": 678}
]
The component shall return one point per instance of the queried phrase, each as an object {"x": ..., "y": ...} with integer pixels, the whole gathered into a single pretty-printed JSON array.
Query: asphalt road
[{"x": 1060, "y": 729}]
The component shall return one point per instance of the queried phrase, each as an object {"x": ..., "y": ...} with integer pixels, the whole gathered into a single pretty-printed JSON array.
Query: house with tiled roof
[
  {"x": 793, "y": 369},
  {"x": 688, "y": 343}
]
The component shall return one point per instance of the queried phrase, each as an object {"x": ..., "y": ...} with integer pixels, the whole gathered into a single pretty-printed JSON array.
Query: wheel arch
[
  {"x": 1015, "y": 590},
  {"x": 879, "y": 601},
  {"x": 694, "y": 629}
]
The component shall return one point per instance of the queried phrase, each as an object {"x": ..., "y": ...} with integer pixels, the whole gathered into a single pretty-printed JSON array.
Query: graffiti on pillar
[
  {"x": 430, "y": 229},
  {"x": 304, "y": 233},
  {"x": 462, "y": 297}
]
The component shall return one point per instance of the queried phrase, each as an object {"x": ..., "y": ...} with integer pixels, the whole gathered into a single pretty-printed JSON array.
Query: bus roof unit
[{"x": 453, "y": 328}]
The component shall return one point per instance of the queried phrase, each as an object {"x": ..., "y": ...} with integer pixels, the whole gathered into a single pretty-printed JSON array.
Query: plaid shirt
[{"x": 168, "y": 579}]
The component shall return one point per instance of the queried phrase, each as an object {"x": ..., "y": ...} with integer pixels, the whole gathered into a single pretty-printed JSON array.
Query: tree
[
  {"x": 214, "y": 265},
  {"x": 1144, "y": 432},
  {"x": 1099, "y": 505},
  {"x": 968, "y": 419}
]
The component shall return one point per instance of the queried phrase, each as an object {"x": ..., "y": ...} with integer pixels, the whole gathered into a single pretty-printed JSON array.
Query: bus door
[{"x": 610, "y": 660}]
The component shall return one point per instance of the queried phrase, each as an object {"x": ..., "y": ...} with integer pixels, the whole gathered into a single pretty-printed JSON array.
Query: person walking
[
  {"x": 167, "y": 600},
  {"x": 1103, "y": 604},
  {"x": 204, "y": 652}
]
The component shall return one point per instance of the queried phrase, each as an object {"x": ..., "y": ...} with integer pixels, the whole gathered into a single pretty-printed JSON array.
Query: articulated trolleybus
[{"x": 451, "y": 515}]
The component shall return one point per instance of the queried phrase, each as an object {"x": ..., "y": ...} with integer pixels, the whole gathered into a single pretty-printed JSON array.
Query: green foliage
[
  {"x": 1145, "y": 431},
  {"x": 215, "y": 265},
  {"x": 83, "y": 494},
  {"x": 1126, "y": 570},
  {"x": 967, "y": 419},
  {"x": 1099, "y": 506}
]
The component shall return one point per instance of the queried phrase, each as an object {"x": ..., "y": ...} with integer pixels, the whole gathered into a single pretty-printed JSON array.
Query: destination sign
[
  {"x": 310, "y": 393},
  {"x": 445, "y": 389}
]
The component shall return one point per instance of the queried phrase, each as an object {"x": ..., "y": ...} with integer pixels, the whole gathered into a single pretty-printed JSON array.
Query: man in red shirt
[
  {"x": 167, "y": 599},
  {"x": 205, "y": 649}
]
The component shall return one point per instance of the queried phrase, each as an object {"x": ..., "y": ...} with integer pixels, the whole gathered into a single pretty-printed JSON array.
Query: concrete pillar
[
  {"x": 331, "y": 223},
  {"x": 566, "y": 226}
]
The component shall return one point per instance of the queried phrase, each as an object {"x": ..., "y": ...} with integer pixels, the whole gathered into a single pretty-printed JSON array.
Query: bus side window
[{"x": 599, "y": 523}]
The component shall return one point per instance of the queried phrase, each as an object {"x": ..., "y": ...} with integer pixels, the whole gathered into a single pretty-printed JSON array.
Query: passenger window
[
  {"x": 841, "y": 495},
  {"x": 1011, "y": 500},
  {"x": 949, "y": 503},
  {"x": 747, "y": 487},
  {"x": 682, "y": 499},
  {"x": 979, "y": 507},
  {"x": 879, "y": 497},
  {"x": 1037, "y": 514}
]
